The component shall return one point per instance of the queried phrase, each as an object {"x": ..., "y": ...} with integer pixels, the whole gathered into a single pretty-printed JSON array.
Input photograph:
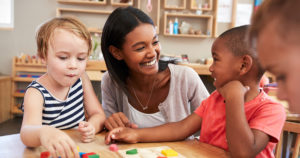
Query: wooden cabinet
[
  {"x": 175, "y": 4},
  {"x": 27, "y": 69},
  {"x": 202, "y": 24},
  {"x": 103, "y": 2},
  {"x": 199, "y": 20},
  {"x": 201, "y": 15},
  {"x": 106, "y": 9},
  {"x": 5, "y": 91}
]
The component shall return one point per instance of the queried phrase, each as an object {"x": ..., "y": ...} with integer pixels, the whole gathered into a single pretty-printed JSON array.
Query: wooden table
[{"x": 12, "y": 146}]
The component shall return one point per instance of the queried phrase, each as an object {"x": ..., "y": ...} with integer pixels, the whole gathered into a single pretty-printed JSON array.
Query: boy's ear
[
  {"x": 247, "y": 62},
  {"x": 116, "y": 52}
]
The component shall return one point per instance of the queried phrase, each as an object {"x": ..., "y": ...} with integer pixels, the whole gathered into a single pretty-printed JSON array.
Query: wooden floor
[{"x": 11, "y": 126}]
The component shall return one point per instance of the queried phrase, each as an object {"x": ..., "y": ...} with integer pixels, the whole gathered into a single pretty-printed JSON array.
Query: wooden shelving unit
[
  {"x": 206, "y": 20},
  {"x": 196, "y": 5},
  {"x": 175, "y": 4},
  {"x": 59, "y": 12},
  {"x": 202, "y": 24},
  {"x": 5, "y": 91},
  {"x": 117, "y": 3},
  {"x": 79, "y": 2},
  {"x": 27, "y": 65},
  {"x": 154, "y": 14}
]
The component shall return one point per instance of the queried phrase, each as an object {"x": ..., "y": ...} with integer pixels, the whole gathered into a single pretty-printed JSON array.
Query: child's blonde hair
[{"x": 45, "y": 33}]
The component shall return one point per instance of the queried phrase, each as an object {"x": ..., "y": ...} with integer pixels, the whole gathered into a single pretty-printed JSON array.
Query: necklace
[{"x": 144, "y": 107}]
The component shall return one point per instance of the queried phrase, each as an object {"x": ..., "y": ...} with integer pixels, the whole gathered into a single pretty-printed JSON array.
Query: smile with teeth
[{"x": 150, "y": 63}]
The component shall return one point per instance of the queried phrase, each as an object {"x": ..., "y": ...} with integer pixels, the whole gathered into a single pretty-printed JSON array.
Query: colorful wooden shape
[{"x": 169, "y": 152}]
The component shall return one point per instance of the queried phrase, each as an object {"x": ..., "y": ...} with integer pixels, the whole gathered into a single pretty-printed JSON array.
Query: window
[{"x": 6, "y": 14}]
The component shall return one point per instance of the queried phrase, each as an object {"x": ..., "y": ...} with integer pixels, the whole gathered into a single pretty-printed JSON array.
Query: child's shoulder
[{"x": 263, "y": 102}]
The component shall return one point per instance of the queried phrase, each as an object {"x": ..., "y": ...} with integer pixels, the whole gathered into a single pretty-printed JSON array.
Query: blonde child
[
  {"x": 275, "y": 32},
  {"x": 238, "y": 116},
  {"x": 59, "y": 98}
]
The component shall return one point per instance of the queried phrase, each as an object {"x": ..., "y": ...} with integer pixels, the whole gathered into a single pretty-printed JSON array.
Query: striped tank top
[{"x": 62, "y": 114}]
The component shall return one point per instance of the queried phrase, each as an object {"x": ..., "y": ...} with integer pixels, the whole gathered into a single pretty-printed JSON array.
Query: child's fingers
[
  {"x": 81, "y": 124},
  {"x": 52, "y": 151},
  {"x": 60, "y": 151},
  {"x": 67, "y": 149},
  {"x": 73, "y": 148}
]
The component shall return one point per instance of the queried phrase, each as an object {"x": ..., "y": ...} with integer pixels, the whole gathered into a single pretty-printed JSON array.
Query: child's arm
[
  {"x": 242, "y": 140},
  {"x": 96, "y": 116},
  {"x": 34, "y": 134},
  {"x": 167, "y": 132}
]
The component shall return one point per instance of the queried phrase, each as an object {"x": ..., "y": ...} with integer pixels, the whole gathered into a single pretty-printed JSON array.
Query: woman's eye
[{"x": 140, "y": 49}]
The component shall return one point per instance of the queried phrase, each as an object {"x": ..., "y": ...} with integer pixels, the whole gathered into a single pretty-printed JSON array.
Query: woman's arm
[{"x": 115, "y": 118}]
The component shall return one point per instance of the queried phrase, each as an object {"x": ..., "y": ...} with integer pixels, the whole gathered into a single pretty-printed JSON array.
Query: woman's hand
[
  {"x": 123, "y": 134},
  {"x": 87, "y": 131},
  {"x": 118, "y": 120},
  {"x": 57, "y": 142}
]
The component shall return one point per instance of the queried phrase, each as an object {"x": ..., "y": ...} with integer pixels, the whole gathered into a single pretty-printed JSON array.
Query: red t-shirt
[{"x": 262, "y": 113}]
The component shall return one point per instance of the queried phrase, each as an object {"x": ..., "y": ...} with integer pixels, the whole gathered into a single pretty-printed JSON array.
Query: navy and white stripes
[{"x": 62, "y": 114}]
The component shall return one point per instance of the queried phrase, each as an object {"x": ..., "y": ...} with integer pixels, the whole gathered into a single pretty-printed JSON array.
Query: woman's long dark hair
[{"x": 120, "y": 22}]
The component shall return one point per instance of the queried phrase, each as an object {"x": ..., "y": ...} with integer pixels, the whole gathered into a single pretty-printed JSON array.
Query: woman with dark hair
[{"x": 135, "y": 93}]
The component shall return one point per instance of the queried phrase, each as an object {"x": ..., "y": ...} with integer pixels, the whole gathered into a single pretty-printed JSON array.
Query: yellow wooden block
[{"x": 169, "y": 152}]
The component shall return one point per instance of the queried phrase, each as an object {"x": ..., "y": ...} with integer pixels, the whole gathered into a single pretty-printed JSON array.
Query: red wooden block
[
  {"x": 45, "y": 154},
  {"x": 113, "y": 147}
]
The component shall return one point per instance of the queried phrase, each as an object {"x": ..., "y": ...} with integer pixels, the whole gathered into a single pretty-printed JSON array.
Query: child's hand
[
  {"x": 233, "y": 89},
  {"x": 123, "y": 134},
  {"x": 57, "y": 142},
  {"x": 87, "y": 131},
  {"x": 118, "y": 120}
]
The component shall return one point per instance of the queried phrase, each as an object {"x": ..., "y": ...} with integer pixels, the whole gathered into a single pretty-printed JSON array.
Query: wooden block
[{"x": 169, "y": 152}]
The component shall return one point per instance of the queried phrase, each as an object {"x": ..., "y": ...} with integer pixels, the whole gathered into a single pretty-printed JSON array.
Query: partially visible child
[
  {"x": 275, "y": 31},
  {"x": 238, "y": 116},
  {"x": 59, "y": 98}
]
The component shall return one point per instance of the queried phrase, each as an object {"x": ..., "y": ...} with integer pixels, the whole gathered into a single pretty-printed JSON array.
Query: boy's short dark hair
[{"x": 236, "y": 42}]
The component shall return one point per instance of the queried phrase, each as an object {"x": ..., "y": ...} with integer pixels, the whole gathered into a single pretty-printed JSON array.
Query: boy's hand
[
  {"x": 233, "y": 89},
  {"x": 87, "y": 131},
  {"x": 58, "y": 143},
  {"x": 123, "y": 134},
  {"x": 118, "y": 120}
]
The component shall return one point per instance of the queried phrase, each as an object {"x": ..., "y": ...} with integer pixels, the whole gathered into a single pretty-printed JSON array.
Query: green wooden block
[
  {"x": 131, "y": 152},
  {"x": 94, "y": 156}
]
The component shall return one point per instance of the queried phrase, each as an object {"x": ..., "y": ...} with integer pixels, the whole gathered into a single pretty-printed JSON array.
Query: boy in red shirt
[{"x": 238, "y": 116}]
